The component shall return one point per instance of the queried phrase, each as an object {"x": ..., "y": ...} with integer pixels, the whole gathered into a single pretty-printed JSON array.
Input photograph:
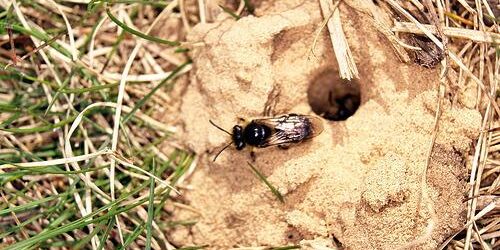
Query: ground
[
  {"x": 360, "y": 182},
  {"x": 105, "y": 139}
]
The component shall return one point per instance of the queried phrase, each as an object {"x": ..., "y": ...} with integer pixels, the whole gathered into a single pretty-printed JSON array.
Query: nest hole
[
  {"x": 293, "y": 235},
  {"x": 333, "y": 98}
]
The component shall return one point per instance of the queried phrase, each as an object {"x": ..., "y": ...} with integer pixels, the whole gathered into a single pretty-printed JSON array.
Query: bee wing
[
  {"x": 316, "y": 126},
  {"x": 291, "y": 128}
]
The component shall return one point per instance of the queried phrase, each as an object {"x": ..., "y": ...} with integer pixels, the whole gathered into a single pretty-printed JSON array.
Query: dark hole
[
  {"x": 293, "y": 235},
  {"x": 333, "y": 98}
]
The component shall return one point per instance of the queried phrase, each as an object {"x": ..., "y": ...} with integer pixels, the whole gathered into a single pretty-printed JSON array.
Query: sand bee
[{"x": 274, "y": 131}]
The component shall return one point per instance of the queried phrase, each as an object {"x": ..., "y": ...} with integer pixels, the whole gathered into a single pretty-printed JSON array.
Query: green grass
[
  {"x": 265, "y": 181},
  {"x": 45, "y": 206},
  {"x": 230, "y": 12},
  {"x": 149, "y": 222}
]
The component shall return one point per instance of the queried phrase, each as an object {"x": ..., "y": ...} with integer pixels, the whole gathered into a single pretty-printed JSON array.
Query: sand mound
[{"x": 359, "y": 182}]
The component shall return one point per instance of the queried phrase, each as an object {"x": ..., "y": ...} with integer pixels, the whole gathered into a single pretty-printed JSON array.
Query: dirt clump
[{"x": 360, "y": 181}]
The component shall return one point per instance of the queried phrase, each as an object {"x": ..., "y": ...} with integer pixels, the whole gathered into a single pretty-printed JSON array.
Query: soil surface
[{"x": 359, "y": 183}]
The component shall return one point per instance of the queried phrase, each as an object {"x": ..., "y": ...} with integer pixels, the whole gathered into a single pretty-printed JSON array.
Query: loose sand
[{"x": 358, "y": 184}]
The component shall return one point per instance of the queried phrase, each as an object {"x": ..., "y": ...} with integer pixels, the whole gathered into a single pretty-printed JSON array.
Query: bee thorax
[{"x": 256, "y": 134}]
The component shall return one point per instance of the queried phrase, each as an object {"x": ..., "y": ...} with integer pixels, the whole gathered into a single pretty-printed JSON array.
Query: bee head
[{"x": 238, "y": 137}]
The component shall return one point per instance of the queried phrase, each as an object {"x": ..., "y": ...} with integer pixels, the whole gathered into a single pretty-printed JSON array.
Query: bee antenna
[
  {"x": 224, "y": 148},
  {"x": 215, "y": 125}
]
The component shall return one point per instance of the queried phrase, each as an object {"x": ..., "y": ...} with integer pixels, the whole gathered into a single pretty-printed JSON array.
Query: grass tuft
[{"x": 58, "y": 92}]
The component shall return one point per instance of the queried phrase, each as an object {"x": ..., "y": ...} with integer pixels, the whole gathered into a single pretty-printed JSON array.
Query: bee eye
[
  {"x": 333, "y": 98},
  {"x": 237, "y": 130}
]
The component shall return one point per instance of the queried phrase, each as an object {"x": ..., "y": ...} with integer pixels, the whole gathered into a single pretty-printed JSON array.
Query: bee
[{"x": 274, "y": 131}]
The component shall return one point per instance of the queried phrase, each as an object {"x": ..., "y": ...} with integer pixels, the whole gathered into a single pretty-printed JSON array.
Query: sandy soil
[{"x": 359, "y": 184}]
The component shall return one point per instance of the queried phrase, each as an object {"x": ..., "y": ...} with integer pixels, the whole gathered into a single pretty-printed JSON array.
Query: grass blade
[
  {"x": 141, "y": 102},
  {"x": 131, "y": 237},
  {"x": 263, "y": 179},
  {"x": 230, "y": 12},
  {"x": 140, "y": 34},
  {"x": 149, "y": 223},
  {"x": 105, "y": 236}
]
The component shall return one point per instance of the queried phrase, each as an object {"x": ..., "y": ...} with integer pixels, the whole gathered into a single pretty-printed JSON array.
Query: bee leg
[
  {"x": 253, "y": 156},
  {"x": 284, "y": 146}
]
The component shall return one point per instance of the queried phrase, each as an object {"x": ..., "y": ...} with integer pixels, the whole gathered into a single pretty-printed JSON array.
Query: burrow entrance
[{"x": 333, "y": 98}]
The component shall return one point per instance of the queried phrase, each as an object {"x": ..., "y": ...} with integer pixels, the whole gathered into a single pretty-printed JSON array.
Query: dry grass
[
  {"x": 88, "y": 108},
  {"x": 345, "y": 60},
  {"x": 83, "y": 139}
]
